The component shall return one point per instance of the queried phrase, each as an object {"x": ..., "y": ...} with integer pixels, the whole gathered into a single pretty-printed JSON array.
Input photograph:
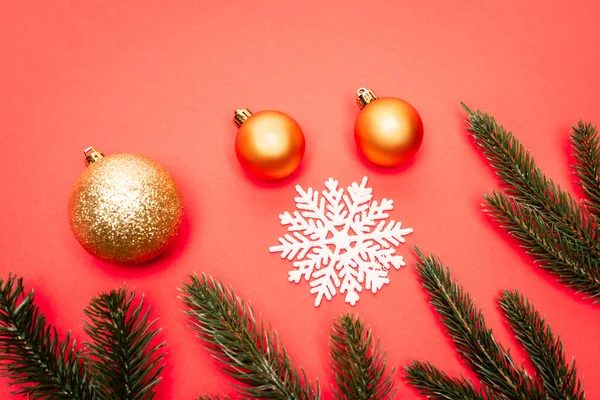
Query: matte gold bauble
[
  {"x": 269, "y": 144},
  {"x": 388, "y": 130},
  {"x": 124, "y": 208}
]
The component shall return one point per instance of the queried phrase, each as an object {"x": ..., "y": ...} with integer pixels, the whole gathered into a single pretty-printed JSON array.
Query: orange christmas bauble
[
  {"x": 388, "y": 130},
  {"x": 269, "y": 144}
]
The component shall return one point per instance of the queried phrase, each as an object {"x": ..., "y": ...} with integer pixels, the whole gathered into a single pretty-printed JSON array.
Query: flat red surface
[{"x": 162, "y": 79}]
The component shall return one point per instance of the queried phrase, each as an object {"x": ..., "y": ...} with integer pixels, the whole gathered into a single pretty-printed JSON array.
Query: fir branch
[
  {"x": 126, "y": 364},
  {"x": 547, "y": 353},
  {"x": 543, "y": 240},
  {"x": 435, "y": 384},
  {"x": 474, "y": 342},
  {"x": 524, "y": 181},
  {"x": 586, "y": 150},
  {"x": 34, "y": 358},
  {"x": 359, "y": 364},
  {"x": 249, "y": 353}
]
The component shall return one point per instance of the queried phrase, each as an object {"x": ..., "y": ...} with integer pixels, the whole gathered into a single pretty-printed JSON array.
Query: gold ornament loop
[
  {"x": 241, "y": 115},
  {"x": 92, "y": 155},
  {"x": 364, "y": 97}
]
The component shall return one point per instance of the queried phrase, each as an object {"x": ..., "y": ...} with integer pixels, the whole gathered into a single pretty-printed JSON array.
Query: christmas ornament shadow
[
  {"x": 273, "y": 184},
  {"x": 385, "y": 170},
  {"x": 156, "y": 265}
]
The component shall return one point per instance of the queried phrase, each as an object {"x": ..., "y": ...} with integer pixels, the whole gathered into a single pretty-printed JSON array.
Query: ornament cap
[
  {"x": 92, "y": 155},
  {"x": 364, "y": 96},
  {"x": 241, "y": 115}
]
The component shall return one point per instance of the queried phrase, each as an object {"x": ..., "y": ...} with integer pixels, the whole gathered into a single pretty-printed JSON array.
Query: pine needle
[
  {"x": 125, "y": 362},
  {"x": 435, "y": 384},
  {"x": 586, "y": 150},
  {"x": 547, "y": 353},
  {"x": 249, "y": 353},
  {"x": 33, "y": 357},
  {"x": 473, "y": 340},
  {"x": 358, "y": 363}
]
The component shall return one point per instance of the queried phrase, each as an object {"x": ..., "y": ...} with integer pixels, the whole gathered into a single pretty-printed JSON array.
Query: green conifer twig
[
  {"x": 125, "y": 362},
  {"x": 586, "y": 150},
  {"x": 249, "y": 353},
  {"x": 435, "y": 384},
  {"x": 473, "y": 340},
  {"x": 546, "y": 242},
  {"x": 524, "y": 181},
  {"x": 570, "y": 227},
  {"x": 359, "y": 364},
  {"x": 34, "y": 358},
  {"x": 547, "y": 353}
]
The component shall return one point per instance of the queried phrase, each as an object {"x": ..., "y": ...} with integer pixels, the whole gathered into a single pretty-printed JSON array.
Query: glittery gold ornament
[
  {"x": 388, "y": 130},
  {"x": 124, "y": 208},
  {"x": 269, "y": 144}
]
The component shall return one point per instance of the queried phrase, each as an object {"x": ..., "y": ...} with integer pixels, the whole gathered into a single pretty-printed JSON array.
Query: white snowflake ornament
[{"x": 341, "y": 240}]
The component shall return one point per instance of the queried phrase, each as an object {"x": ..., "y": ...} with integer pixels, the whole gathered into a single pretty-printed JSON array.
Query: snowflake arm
[{"x": 324, "y": 283}]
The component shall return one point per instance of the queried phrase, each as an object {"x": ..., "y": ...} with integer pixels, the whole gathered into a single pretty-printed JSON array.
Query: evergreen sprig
[
  {"x": 499, "y": 375},
  {"x": 473, "y": 340},
  {"x": 562, "y": 234},
  {"x": 559, "y": 378},
  {"x": 34, "y": 358},
  {"x": 125, "y": 362},
  {"x": 118, "y": 362},
  {"x": 359, "y": 363},
  {"x": 523, "y": 180},
  {"x": 546, "y": 243},
  {"x": 435, "y": 384},
  {"x": 586, "y": 150},
  {"x": 248, "y": 351}
]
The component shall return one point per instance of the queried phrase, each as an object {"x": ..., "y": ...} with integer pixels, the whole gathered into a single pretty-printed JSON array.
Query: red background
[{"x": 162, "y": 79}]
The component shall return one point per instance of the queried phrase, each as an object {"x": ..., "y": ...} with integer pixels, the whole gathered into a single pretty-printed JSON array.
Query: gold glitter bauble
[{"x": 125, "y": 208}]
